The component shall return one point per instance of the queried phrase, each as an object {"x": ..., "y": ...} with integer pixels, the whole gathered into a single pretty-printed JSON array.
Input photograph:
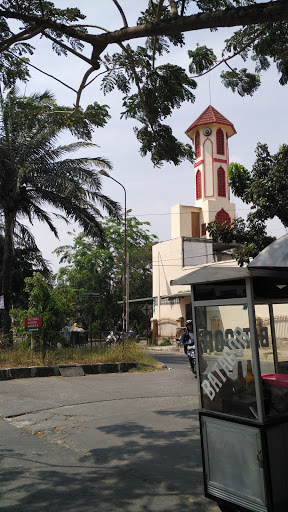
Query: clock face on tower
[{"x": 207, "y": 131}]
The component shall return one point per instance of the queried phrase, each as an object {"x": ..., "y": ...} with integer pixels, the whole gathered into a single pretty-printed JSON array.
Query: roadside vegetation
[{"x": 22, "y": 356}]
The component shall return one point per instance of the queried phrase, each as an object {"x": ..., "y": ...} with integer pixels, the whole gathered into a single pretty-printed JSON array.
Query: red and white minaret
[{"x": 210, "y": 134}]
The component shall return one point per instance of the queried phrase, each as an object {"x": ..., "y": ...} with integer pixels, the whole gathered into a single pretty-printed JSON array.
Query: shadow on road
[{"x": 146, "y": 469}]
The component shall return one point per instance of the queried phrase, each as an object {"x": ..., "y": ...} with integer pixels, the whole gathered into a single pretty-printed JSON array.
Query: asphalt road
[{"x": 117, "y": 442}]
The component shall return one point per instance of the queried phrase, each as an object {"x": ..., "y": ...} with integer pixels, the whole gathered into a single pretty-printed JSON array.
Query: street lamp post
[{"x": 125, "y": 325}]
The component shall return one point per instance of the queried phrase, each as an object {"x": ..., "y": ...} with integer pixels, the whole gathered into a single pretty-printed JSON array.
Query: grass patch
[{"x": 20, "y": 356}]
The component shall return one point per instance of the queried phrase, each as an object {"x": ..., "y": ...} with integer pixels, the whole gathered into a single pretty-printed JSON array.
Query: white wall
[
  {"x": 181, "y": 220},
  {"x": 197, "y": 252},
  {"x": 167, "y": 264}
]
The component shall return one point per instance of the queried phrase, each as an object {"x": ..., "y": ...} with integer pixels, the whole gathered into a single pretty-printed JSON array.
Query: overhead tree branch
[
  {"x": 82, "y": 87},
  {"x": 21, "y": 36},
  {"x": 173, "y": 6},
  {"x": 248, "y": 15},
  {"x": 92, "y": 80},
  {"x": 231, "y": 69},
  {"x": 133, "y": 69},
  {"x": 121, "y": 12},
  {"x": 43, "y": 72},
  {"x": 41, "y": 7},
  {"x": 68, "y": 48},
  {"x": 183, "y": 7},
  {"x": 242, "y": 49},
  {"x": 137, "y": 82},
  {"x": 245, "y": 15},
  {"x": 153, "y": 6},
  {"x": 158, "y": 14}
]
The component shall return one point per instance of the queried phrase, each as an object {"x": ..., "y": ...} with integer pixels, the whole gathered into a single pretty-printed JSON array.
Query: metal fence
[
  {"x": 73, "y": 338},
  {"x": 56, "y": 339}
]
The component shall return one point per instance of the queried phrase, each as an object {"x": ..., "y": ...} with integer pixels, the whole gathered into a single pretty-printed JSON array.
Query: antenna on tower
[{"x": 210, "y": 91}]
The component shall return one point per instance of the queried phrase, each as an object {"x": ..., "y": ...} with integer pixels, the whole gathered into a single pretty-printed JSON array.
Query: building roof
[
  {"x": 210, "y": 116},
  {"x": 177, "y": 295},
  {"x": 273, "y": 256},
  {"x": 143, "y": 299}
]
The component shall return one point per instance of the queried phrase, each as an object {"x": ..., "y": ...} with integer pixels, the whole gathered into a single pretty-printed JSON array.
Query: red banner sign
[{"x": 33, "y": 323}]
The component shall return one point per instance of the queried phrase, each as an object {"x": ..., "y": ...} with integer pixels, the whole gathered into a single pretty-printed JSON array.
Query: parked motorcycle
[
  {"x": 113, "y": 338},
  {"x": 133, "y": 335}
]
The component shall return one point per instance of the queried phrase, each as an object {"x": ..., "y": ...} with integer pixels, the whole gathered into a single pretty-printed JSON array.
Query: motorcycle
[
  {"x": 113, "y": 338},
  {"x": 191, "y": 357},
  {"x": 133, "y": 335}
]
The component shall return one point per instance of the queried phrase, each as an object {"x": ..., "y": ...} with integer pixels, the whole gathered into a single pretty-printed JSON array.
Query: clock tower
[{"x": 209, "y": 134}]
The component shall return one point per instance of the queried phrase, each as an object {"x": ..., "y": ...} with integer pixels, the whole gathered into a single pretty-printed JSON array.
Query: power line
[{"x": 181, "y": 213}]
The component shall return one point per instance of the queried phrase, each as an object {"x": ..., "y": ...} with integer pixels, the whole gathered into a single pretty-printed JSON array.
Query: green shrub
[{"x": 165, "y": 343}]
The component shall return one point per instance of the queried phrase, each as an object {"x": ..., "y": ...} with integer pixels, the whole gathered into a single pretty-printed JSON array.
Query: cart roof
[
  {"x": 219, "y": 271},
  {"x": 273, "y": 256},
  {"x": 227, "y": 270}
]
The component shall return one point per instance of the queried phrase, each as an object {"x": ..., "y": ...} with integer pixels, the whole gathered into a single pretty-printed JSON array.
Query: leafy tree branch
[
  {"x": 227, "y": 17},
  {"x": 151, "y": 91},
  {"x": 264, "y": 187}
]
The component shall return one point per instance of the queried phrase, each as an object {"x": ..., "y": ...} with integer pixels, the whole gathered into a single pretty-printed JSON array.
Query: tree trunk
[{"x": 8, "y": 253}]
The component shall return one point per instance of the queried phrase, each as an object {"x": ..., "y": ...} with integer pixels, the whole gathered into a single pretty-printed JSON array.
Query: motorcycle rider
[{"x": 187, "y": 339}]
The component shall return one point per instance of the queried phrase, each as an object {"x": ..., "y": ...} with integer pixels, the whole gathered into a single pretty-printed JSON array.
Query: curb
[
  {"x": 170, "y": 348},
  {"x": 54, "y": 370}
]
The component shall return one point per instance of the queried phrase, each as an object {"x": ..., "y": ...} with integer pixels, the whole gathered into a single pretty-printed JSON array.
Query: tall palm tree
[{"x": 36, "y": 174}]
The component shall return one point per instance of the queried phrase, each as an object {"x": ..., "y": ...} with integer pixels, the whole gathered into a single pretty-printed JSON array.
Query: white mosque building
[{"x": 190, "y": 244}]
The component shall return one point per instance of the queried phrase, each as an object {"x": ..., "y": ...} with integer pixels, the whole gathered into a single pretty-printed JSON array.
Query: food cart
[{"x": 240, "y": 316}]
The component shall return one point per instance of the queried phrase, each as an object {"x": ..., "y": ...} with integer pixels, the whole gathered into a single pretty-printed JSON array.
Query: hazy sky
[{"x": 151, "y": 191}]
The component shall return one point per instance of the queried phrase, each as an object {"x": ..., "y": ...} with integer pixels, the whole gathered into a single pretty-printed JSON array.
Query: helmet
[{"x": 189, "y": 322}]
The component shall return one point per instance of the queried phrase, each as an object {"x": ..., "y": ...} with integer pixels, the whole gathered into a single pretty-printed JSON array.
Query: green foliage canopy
[
  {"x": 151, "y": 88},
  {"x": 27, "y": 259},
  {"x": 264, "y": 187},
  {"x": 50, "y": 304},
  {"x": 90, "y": 268},
  {"x": 36, "y": 173}
]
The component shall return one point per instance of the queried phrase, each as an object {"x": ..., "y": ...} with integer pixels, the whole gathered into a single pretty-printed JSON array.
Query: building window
[
  {"x": 197, "y": 145},
  {"x": 166, "y": 301},
  {"x": 198, "y": 185},
  {"x": 223, "y": 216},
  {"x": 203, "y": 229},
  {"x": 221, "y": 182},
  {"x": 220, "y": 141}
]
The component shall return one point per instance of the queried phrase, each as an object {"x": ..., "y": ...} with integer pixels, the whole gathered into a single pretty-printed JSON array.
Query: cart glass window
[
  {"x": 270, "y": 288},
  {"x": 220, "y": 290},
  {"x": 280, "y": 314},
  {"x": 264, "y": 340},
  {"x": 275, "y": 382},
  {"x": 225, "y": 360}
]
